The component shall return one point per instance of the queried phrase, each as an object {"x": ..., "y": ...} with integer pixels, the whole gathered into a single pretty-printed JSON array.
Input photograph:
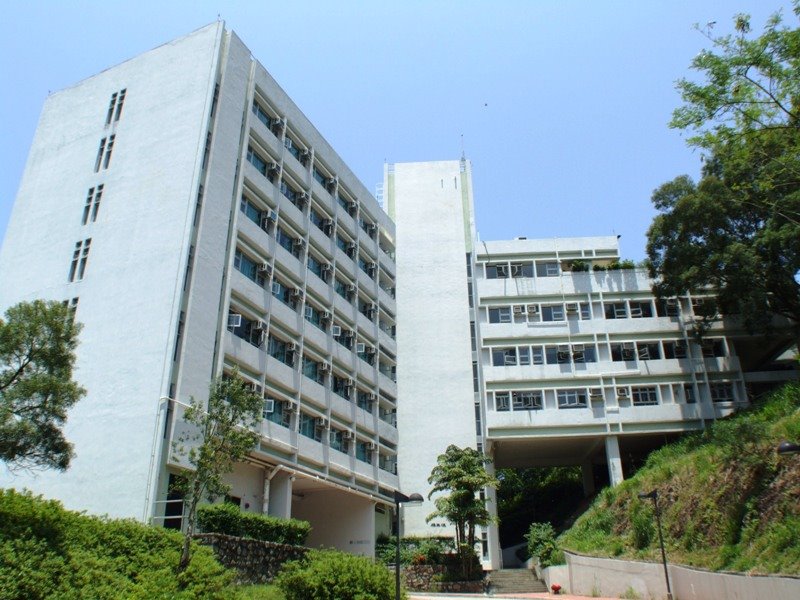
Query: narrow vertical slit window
[
  {"x": 215, "y": 101},
  {"x": 207, "y": 150},
  {"x": 189, "y": 266},
  {"x": 98, "y": 194},
  {"x": 87, "y": 209},
  {"x": 120, "y": 100},
  {"x": 111, "y": 106},
  {"x": 98, "y": 161},
  {"x": 179, "y": 336},
  {"x": 109, "y": 148},
  {"x": 79, "y": 257},
  {"x": 198, "y": 205}
]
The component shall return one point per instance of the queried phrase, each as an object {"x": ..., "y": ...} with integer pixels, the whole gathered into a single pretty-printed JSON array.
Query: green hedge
[
  {"x": 332, "y": 575},
  {"x": 229, "y": 519},
  {"x": 49, "y": 552}
]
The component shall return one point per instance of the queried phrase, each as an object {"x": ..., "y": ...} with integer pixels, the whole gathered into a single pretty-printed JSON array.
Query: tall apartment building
[
  {"x": 199, "y": 224},
  {"x": 569, "y": 365}
]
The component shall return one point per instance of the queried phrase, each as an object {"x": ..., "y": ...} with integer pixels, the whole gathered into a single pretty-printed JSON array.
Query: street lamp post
[
  {"x": 398, "y": 498},
  {"x": 654, "y": 497},
  {"x": 788, "y": 448}
]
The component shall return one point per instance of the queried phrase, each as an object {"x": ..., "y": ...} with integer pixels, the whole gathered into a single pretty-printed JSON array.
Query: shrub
[
  {"x": 578, "y": 266},
  {"x": 542, "y": 544},
  {"x": 49, "y": 552},
  {"x": 332, "y": 575},
  {"x": 229, "y": 519},
  {"x": 416, "y": 550}
]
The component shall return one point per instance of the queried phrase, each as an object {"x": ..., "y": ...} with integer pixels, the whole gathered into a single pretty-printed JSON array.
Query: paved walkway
[{"x": 540, "y": 596}]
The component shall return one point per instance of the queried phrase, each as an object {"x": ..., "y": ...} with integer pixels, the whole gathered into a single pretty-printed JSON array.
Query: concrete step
[{"x": 511, "y": 581}]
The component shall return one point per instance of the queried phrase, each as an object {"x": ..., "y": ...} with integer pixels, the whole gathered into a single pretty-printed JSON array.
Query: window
[
  {"x": 547, "y": 269},
  {"x": 583, "y": 353},
  {"x": 721, "y": 392},
  {"x": 313, "y": 370},
  {"x": 309, "y": 427},
  {"x": 648, "y": 350},
  {"x": 641, "y": 309},
  {"x": 336, "y": 440},
  {"x": 292, "y": 147},
  {"x": 644, "y": 396},
  {"x": 198, "y": 206},
  {"x": 259, "y": 163},
  {"x": 104, "y": 153},
  {"x": 365, "y": 352},
  {"x": 342, "y": 335},
  {"x": 524, "y": 355},
  {"x": 92, "y": 204},
  {"x": 366, "y": 308},
  {"x": 504, "y": 357},
  {"x": 262, "y": 115},
  {"x": 500, "y": 314},
  {"x": 250, "y": 211},
  {"x": 675, "y": 349},
  {"x": 281, "y": 413},
  {"x": 250, "y": 330},
  {"x": 527, "y": 400},
  {"x": 364, "y": 401},
  {"x": 341, "y": 386},
  {"x": 615, "y": 310},
  {"x": 670, "y": 307},
  {"x": 294, "y": 196},
  {"x": 179, "y": 335},
  {"x": 523, "y": 269},
  {"x": 557, "y": 355},
  {"x": 586, "y": 311},
  {"x": 281, "y": 350},
  {"x": 79, "y": 257},
  {"x": 571, "y": 398},
  {"x": 320, "y": 177},
  {"x": 552, "y": 312},
  {"x": 255, "y": 271},
  {"x": 502, "y": 401},
  {"x": 497, "y": 271},
  {"x": 367, "y": 266},
  {"x": 623, "y": 351},
  {"x": 688, "y": 393},
  {"x": 713, "y": 347},
  {"x": 322, "y": 223},
  {"x": 537, "y": 355},
  {"x": 115, "y": 106},
  {"x": 345, "y": 290},
  {"x": 364, "y": 452},
  {"x": 315, "y": 266},
  {"x": 314, "y": 316},
  {"x": 215, "y": 101},
  {"x": 289, "y": 295},
  {"x": 206, "y": 151},
  {"x": 72, "y": 306}
]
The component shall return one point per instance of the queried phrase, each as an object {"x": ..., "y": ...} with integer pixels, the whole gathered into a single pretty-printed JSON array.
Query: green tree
[
  {"x": 37, "y": 355},
  {"x": 462, "y": 472},
  {"x": 737, "y": 230},
  {"x": 223, "y": 433}
]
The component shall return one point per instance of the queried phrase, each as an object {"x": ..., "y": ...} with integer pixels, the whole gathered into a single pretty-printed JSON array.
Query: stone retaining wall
[
  {"x": 254, "y": 560},
  {"x": 424, "y": 578}
]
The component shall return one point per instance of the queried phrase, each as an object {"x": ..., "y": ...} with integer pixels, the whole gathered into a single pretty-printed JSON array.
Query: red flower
[{"x": 556, "y": 588}]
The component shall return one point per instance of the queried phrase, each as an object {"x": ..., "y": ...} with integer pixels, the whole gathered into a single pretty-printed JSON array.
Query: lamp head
[
  {"x": 648, "y": 495},
  {"x": 788, "y": 448}
]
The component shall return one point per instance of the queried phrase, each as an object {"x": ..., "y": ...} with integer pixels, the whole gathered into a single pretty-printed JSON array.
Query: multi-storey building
[
  {"x": 199, "y": 224},
  {"x": 572, "y": 364}
]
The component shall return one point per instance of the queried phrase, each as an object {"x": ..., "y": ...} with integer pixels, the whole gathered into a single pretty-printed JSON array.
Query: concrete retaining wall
[{"x": 609, "y": 577}]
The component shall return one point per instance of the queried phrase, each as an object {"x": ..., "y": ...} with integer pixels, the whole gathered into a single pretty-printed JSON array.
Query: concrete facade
[{"x": 227, "y": 234}]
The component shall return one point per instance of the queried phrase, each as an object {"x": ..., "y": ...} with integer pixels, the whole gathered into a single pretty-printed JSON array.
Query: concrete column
[
  {"x": 280, "y": 495},
  {"x": 587, "y": 471},
  {"x": 614, "y": 460}
]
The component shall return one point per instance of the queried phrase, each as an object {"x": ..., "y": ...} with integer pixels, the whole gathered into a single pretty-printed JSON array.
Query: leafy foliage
[
  {"x": 229, "y": 519},
  {"x": 462, "y": 473},
  {"x": 224, "y": 433},
  {"x": 332, "y": 575},
  {"x": 48, "y": 552},
  {"x": 37, "y": 355},
  {"x": 541, "y": 539},
  {"x": 737, "y": 230},
  {"x": 728, "y": 500},
  {"x": 413, "y": 550}
]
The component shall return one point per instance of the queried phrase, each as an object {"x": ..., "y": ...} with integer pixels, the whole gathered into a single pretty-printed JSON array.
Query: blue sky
[{"x": 563, "y": 106}]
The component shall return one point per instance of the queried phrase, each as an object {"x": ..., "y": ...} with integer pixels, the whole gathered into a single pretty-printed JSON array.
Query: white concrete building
[
  {"x": 200, "y": 223},
  {"x": 569, "y": 366}
]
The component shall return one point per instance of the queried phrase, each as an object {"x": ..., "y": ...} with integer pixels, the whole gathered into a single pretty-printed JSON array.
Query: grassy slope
[{"x": 728, "y": 501}]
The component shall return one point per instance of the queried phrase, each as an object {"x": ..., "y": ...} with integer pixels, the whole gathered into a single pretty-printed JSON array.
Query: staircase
[{"x": 514, "y": 581}]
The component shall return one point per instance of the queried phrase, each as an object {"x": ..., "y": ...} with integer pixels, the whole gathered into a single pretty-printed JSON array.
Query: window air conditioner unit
[
  {"x": 332, "y": 436},
  {"x": 502, "y": 271},
  {"x": 680, "y": 351},
  {"x": 321, "y": 422},
  {"x": 327, "y": 225},
  {"x": 288, "y": 143},
  {"x": 291, "y": 346},
  {"x": 372, "y": 228},
  {"x": 269, "y": 406},
  {"x": 273, "y": 167},
  {"x": 373, "y": 396},
  {"x": 519, "y": 309},
  {"x": 234, "y": 320},
  {"x": 348, "y": 435},
  {"x": 596, "y": 393},
  {"x": 336, "y": 331},
  {"x": 353, "y": 205},
  {"x": 327, "y": 268},
  {"x": 371, "y": 350},
  {"x": 253, "y": 387},
  {"x": 305, "y": 153},
  {"x": 372, "y": 446},
  {"x": 326, "y": 316},
  {"x": 304, "y": 197},
  {"x": 578, "y": 347},
  {"x": 533, "y": 309},
  {"x": 325, "y": 368},
  {"x": 672, "y": 302},
  {"x": 361, "y": 348},
  {"x": 351, "y": 247},
  {"x": 373, "y": 307},
  {"x": 350, "y": 288},
  {"x": 331, "y": 181},
  {"x": 372, "y": 267},
  {"x": 628, "y": 354},
  {"x": 297, "y": 292},
  {"x": 261, "y": 326},
  {"x": 572, "y": 307},
  {"x": 636, "y": 312},
  {"x": 622, "y": 392},
  {"x": 277, "y": 288},
  {"x": 697, "y": 302},
  {"x": 349, "y": 383},
  {"x": 309, "y": 312},
  {"x": 299, "y": 242},
  {"x": 265, "y": 269}
]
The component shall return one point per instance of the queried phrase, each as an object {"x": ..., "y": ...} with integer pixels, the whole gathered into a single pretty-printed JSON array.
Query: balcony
[
  {"x": 249, "y": 289},
  {"x": 341, "y": 461},
  {"x": 320, "y": 288},
  {"x": 387, "y": 431},
  {"x": 282, "y": 438},
  {"x": 291, "y": 214},
  {"x": 321, "y": 240},
  {"x": 245, "y": 353},
  {"x": 366, "y": 372},
  {"x": 288, "y": 260},
  {"x": 365, "y": 470},
  {"x": 346, "y": 222},
  {"x": 266, "y": 137},
  {"x": 344, "y": 409},
  {"x": 288, "y": 317},
  {"x": 366, "y": 282},
  {"x": 310, "y": 450},
  {"x": 249, "y": 230},
  {"x": 387, "y": 479},
  {"x": 314, "y": 393},
  {"x": 281, "y": 374}
]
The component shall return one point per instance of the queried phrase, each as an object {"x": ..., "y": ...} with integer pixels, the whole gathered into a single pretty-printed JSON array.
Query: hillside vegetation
[
  {"x": 728, "y": 500},
  {"x": 49, "y": 552}
]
